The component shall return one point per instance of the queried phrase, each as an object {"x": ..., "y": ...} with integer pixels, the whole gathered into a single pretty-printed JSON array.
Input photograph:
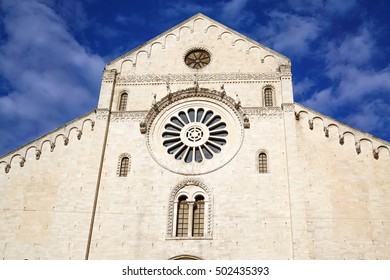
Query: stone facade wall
[
  {"x": 46, "y": 204},
  {"x": 346, "y": 190}
]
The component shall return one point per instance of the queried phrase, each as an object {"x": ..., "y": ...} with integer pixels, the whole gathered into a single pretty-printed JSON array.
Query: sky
[{"x": 52, "y": 54}]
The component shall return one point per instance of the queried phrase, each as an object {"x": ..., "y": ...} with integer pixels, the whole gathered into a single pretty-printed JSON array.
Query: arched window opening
[
  {"x": 190, "y": 211},
  {"x": 198, "y": 217},
  {"x": 124, "y": 167},
  {"x": 268, "y": 100},
  {"x": 182, "y": 217},
  {"x": 123, "y": 102},
  {"x": 263, "y": 163}
]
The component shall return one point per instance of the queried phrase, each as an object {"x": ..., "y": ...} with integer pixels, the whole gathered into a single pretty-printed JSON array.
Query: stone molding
[
  {"x": 102, "y": 114},
  {"x": 193, "y": 92},
  {"x": 161, "y": 78},
  {"x": 288, "y": 107},
  {"x": 263, "y": 112},
  {"x": 135, "y": 116}
]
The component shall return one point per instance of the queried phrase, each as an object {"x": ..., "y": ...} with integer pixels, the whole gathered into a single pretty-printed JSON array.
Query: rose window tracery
[
  {"x": 197, "y": 59},
  {"x": 194, "y": 134}
]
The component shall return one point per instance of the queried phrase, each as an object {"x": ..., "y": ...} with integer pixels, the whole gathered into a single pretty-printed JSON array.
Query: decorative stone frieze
[
  {"x": 263, "y": 112},
  {"x": 101, "y": 114},
  {"x": 161, "y": 78},
  {"x": 134, "y": 116}
]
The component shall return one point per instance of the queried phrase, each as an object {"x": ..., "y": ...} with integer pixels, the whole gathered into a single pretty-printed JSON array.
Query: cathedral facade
[{"x": 197, "y": 150}]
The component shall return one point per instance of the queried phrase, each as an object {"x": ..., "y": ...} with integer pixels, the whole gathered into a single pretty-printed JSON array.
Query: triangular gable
[{"x": 165, "y": 52}]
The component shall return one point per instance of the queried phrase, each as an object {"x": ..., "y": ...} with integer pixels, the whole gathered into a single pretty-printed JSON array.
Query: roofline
[
  {"x": 344, "y": 124},
  {"x": 188, "y": 20}
]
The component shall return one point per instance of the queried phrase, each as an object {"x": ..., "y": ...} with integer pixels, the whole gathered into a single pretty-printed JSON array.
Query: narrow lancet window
[
  {"x": 198, "y": 217},
  {"x": 263, "y": 163},
  {"x": 124, "y": 167},
  {"x": 123, "y": 102},
  {"x": 182, "y": 217},
  {"x": 268, "y": 100}
]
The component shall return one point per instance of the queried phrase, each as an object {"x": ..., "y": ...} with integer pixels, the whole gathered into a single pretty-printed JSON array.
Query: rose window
[
  {"x": 194, "y": 135},
  {"x": 197, "y": 59}
]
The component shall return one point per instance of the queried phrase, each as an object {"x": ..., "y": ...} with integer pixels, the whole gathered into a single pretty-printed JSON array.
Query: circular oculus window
[
  {"x": 197, "y": 59},
  {"x": 194, "y": 134},
  {"x": 195, "y": 137}
]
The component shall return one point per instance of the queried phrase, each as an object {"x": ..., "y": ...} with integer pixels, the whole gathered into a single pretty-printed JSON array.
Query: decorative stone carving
[
  {"x": 263, "y": 112},
  {"x": 38, "y": 154},
  {"x": 7, "y": 168},
  {"x": 285, "y": 69},
  {"x": 375, "y": 153},
  {"x": 246, "y": 122},
  {"x": 357, "y": 146},
  {"x": 341, "y": 139},
  {"x": 209, "y": 100},
  {"x": 134, "y": 116},
  {"x": 109, "y": 74},
  {"x": 142, "y": 127},
  {"x": 326, "y": 130},
  {"x": 311, "y": 124},
  {"x": 288, "y": 107},
  {"x": 66, "y": 141},
  {"x": 79, "y": 133},
  {"x": 52, "y": 146},
  {"x": 237, "y": 102},
  {"x": 161, "y": 78},
  {"x": 101, "y": 114},
  {"x": 22, "y": 161}
]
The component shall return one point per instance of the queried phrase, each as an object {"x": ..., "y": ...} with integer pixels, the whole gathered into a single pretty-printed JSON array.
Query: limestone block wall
[
  {"x": 346, "y": 189},
  {"x": 251, "y": 211},
  {"x": 47, "y": 193}
]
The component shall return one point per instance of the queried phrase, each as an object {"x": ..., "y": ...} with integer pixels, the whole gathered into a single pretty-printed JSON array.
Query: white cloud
[
  {"x": 303, "y": 86},
  {"x": 354, "y": 49},
  {"x": 360, "y": 92},
  {"x": 322, "y": 101},
  {"x": 235, "y": 12},
  {"x": 52, "y": 77},
  {"x": 300, "y": 31},
  {"x": 337, "y": 7},
  {"x": 372, "y": 116},
  {"x": 340, "y": 7}
]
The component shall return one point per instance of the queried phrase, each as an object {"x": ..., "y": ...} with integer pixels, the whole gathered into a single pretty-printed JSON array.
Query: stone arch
[
  {"x": 173, "y": 195},
  {"x": 211, "y": 28},
  {"x": 127, "y": 65},
  {"x": 185, "y": 257}
]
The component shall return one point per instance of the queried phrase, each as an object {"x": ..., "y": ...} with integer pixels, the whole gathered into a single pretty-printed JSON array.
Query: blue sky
[{"x": 52, "y": 54}]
